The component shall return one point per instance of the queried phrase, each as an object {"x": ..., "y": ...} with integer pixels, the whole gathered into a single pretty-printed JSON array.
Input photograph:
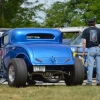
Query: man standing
[{"x": 91, "y": 40}]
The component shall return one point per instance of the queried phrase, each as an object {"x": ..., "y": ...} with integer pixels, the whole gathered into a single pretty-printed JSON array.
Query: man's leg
[
  {"x": 90, "y": 67},
  {"x": 98, "y": 66}
]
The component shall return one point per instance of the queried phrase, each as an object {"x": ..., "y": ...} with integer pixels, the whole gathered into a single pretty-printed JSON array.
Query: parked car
[
  {"x": 76, "y": 46},
  {"x": 30, "y": 54},
  {"x": 66, "y": 41}
]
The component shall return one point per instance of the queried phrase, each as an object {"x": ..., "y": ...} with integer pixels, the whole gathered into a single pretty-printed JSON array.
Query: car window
[
  {"x": 76, "y": 40},
  {"x": 40, "y": 36},
  {"x": 2, "y": 31},
  {"x": 5, "y": 39}
]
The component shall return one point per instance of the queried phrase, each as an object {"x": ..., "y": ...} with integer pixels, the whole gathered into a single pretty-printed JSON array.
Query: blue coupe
[{"x": 30, "y": 54}]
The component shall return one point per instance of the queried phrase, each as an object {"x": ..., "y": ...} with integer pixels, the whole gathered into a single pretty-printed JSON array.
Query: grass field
[{"x": 51, "y": 92}]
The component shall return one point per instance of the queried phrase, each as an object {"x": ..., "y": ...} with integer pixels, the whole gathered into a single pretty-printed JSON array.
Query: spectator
[{"x": 91, "y": 40}]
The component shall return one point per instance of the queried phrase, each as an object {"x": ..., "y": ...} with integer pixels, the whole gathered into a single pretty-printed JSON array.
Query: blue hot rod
[{"x": 30, "y": 54}]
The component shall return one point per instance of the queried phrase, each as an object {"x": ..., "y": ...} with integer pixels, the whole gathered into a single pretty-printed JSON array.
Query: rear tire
[
  {"x": 17, "y": 72},
  {"x": 75, "y": 73}
]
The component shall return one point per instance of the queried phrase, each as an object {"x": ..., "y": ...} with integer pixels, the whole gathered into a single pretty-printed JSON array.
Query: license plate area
[{"x": 39, "y": 68}]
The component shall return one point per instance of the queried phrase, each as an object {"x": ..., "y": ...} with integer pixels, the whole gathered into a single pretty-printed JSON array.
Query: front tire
[
  {"x": 17, "y": 72},
  {"x": 75, "y": 73}
]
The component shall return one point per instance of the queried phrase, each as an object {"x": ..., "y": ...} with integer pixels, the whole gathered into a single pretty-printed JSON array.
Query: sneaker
[
  {"x": 88, "y": 84},
  {"x": 98, "y": 84}
]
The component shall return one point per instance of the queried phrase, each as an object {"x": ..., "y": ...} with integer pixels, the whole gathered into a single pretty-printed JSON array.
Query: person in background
[{"x": 91, "y": 40}]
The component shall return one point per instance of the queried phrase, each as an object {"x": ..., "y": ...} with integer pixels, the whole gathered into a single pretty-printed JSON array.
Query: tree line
[{"x": 22, "y": 13}]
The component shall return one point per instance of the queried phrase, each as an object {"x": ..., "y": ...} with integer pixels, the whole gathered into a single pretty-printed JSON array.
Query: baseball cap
[{"x": 91, "y": 20}]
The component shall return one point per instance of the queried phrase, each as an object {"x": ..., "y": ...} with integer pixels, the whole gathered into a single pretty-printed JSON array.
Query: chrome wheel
[
  {"x": 17, "y": 73},
  {"x": 11, "y": 73}
]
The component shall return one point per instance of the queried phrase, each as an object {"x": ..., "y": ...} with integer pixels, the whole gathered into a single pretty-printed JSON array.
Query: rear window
[{"x": 40, "y": 36}]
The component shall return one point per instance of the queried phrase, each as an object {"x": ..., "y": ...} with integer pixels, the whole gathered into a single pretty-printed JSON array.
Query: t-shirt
[{"x": 92, "y": 36}]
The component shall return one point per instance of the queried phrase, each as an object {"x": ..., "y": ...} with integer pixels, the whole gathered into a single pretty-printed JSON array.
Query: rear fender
[{"x": 25, "y": 58}]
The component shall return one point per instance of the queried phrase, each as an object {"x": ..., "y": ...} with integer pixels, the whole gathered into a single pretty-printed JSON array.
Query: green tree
[
  {"x": 82, "y": 10},
  {"x": 72, "y": 13},
  {"x": 19, "y": 13},
  {"x": 56, "y": 15}
]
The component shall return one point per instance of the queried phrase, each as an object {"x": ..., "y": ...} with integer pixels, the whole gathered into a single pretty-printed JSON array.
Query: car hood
[{"x": 49, "y": 50}]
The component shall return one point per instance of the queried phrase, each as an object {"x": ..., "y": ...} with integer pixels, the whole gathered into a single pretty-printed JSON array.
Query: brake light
[
  {"x": 38, "y": 60},
  {"x": 67, "y": 59}
]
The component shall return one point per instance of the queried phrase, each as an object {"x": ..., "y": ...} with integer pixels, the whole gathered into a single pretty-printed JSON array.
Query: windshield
[{"x": 76, "y": 40}]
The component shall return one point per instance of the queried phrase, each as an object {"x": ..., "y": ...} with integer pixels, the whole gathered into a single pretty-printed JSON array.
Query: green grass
[{"x": 53, "y": 92}]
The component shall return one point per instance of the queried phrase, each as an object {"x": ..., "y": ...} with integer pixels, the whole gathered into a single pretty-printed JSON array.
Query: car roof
[
  {"x": 33, "y": 30},
  {"x": 19, "y": 34}
]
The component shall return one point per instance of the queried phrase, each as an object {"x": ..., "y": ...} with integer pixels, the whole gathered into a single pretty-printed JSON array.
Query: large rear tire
[
  {"x": 17, "y": 72},
  {"x": 75, "y": 74}
]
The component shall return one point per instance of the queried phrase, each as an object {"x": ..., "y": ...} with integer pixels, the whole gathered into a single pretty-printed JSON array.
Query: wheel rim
[{"x": 11, "y": 73}]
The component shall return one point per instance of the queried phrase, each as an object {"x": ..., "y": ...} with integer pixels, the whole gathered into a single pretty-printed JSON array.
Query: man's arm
[
  {"x": 99, "y": 45},
  {"x": 84, "y": 46}
]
